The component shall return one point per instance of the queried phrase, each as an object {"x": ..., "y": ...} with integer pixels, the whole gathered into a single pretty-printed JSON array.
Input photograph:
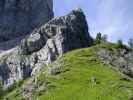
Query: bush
[
  {"x": 98, "y": 38},
  {"x": 120, "y": 44},
  {"x": 1, "y": 90}
]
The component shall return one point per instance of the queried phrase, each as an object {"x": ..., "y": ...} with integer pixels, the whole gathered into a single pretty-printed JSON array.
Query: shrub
[
  {"x": 121, "y": 45},
  {"x": 98, "y": 38},
  {"x": 1, "y": 90}
]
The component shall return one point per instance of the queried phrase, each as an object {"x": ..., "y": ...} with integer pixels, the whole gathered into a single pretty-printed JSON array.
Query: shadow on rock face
[{"x": 20, "y": 17}]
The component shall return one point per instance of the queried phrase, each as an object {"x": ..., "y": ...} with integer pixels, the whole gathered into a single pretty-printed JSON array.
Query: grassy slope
[{"x": 82, "y": 77}]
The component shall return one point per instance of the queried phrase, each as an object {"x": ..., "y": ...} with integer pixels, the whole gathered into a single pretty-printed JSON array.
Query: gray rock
[
  {"x": 62, "y": 34},
  {"x": 44, "y": 45},
  {"x": 32, "y": 43},
  {"x": 14, "y": 68},
  {"x": 20, "y": 17},
  {"x": 67, "y": 33},
  {"x": 121, "y": 59}
]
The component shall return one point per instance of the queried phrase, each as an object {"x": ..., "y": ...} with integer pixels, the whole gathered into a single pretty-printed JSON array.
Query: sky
[{"x": 111, "y": 17}]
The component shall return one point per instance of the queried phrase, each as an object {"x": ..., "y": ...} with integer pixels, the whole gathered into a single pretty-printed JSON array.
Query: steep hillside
[{"x": 78, "y": 75}]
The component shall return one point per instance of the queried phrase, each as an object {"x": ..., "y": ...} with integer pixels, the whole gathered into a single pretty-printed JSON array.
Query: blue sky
[{"x": 111, "y": 17}]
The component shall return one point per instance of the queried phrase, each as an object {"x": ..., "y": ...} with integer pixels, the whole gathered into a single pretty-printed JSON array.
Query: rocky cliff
[
  {"x": 44, "y": 45},
  {"x": 20, "y": 17}
]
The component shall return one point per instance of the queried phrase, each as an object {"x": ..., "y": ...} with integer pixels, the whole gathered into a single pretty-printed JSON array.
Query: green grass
[{"x": 81, "y": 77}]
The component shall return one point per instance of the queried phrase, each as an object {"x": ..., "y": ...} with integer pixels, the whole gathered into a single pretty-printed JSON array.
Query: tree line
[{"x": 102, "y": 38}]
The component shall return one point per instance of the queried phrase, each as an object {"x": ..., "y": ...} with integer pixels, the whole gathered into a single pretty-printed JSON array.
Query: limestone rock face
[
  {"x": 45, "y": 44},
  {"x": 65, "y": 33},
  {"x": 121, "y": 59},
  {"x": 20, "y": 17}
]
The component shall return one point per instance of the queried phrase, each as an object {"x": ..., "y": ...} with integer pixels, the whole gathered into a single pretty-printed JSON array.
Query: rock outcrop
[
  {"x": 121, "y": 59},
  {"x": 20, "y": 17},
  {"x": 44, "y": 45}
]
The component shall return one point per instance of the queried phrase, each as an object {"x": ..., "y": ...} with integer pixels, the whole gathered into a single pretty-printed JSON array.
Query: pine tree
[
  {"x": 98, "y": 38},
  {"x": 120, "y": 43}
]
